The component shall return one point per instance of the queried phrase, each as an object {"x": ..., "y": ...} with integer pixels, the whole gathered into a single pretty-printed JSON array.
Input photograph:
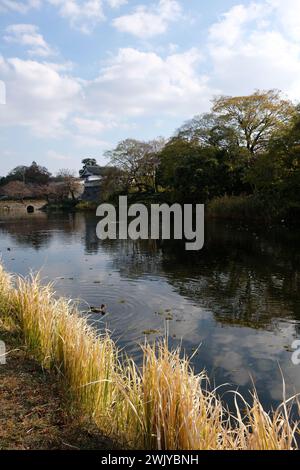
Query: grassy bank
[
  {"x": 34, "y": 412},
  {"x": 247, "y": 208},
  {"x": 252, "y": 208},
  {"x": 88, "y": 206},
  {"x": 162, "y": 405},
  {"x": 67, "y": 205}
]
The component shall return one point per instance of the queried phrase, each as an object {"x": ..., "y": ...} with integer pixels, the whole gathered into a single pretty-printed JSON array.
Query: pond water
[{"x": 238, "y": 299}]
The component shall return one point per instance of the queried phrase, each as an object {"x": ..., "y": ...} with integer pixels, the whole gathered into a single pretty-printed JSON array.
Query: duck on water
[{"x": 102, "y": 309}]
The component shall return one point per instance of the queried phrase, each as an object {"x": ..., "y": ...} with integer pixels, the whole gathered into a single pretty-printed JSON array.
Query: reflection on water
[{"x": 238, "y": 298}]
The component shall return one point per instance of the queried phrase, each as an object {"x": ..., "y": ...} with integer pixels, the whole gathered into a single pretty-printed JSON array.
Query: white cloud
[
  {"x": 2, "y": 93},
  {"x": 18, "y": 6},
  {"x": 146, "y": 22},
  {"x": 44, "y": 98},
  {"x": 138, "y": 83},
  {"x": 28, "y": 35},
  {"x": 53, "y": 155},
  {"x": 88, "y": 141},
  {"x": 116, "y": 3},
  {"x": 250, "y": 49},
  {"x": 94, "y": 126},
  {"x": 287, "y": 15},
  {"x": 231, "y": 26},
  {"x": 84, "y": 16},
  {"x": 38, "y": 96}
]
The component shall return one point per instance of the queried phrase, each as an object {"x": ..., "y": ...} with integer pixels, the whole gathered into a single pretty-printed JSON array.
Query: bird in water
[{"x": 101, "y": 309}]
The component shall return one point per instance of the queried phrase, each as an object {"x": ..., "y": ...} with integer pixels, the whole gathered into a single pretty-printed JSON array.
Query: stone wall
[{"x": 22, "y": 206}]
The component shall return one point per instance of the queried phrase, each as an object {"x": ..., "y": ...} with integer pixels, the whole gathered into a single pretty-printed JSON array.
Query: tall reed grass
[
  {"x": 240, "y": 208},
  {"x": 161, "y": 405}
]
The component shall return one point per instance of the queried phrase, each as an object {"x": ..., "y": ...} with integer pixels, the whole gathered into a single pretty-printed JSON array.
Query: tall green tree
[
  {"x": 209, "y": 130},
  {"x": 275, "y": 176},
  {"x": 255, "y": 118},
  {"x": 194, "y": 173}
]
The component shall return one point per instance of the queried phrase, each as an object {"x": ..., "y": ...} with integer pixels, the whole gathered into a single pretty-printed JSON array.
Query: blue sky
[{"x": 82, "y": 75}]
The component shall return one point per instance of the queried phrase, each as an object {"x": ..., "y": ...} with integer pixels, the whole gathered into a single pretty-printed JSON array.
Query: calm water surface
[{"x": 238, "y": 299}]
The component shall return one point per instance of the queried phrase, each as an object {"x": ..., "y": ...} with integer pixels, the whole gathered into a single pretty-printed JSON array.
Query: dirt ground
[{"x": 32, "y": 411}]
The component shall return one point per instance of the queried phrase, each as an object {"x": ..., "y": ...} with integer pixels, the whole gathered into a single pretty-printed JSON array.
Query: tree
[
  {"x": 173, "y": 155},
  {"x": 275, "y": 176},
  {"x": 16, "y": 190},
  {"x": 194, "y": 173},
  {"x": 255, "y": 118},
  {"x": 17, "y": 174},
  {"x": 57, "y": 192},
  {"x": 287, "y": 149},
  {"x": 209, "y": 130},
  {"x": 287, "y": 142},
  {"x": 112, "y": 182},
  {"x": 138, "y": 162},
  {"x": 87, "y": 162},
  {"x": 38, "y": 191},
  {"x": 68, "y": 178},
  {"x": 151, "y": 163},
  {"x": 33, "y": 174},
  {"x": 37, "y": 174}
]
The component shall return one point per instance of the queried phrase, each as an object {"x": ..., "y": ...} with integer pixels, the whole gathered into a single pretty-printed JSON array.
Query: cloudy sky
[{"x": 80, "y": 75}]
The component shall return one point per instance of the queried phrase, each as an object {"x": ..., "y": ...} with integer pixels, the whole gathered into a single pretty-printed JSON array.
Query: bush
[
  {"x": 87, "y": 206},
  {"x": 239, "y": 207}
]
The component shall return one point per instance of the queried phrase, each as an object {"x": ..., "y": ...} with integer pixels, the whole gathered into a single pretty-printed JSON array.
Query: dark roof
[
  {"x": 93, "y": 170},
  {"x": 97, "y": 170}
]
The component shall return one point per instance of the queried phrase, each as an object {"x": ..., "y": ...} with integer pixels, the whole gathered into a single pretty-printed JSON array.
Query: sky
[{"x": 81, "y": 75}]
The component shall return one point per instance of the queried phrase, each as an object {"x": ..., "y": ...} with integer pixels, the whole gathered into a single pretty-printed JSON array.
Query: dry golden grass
[
  {"x": 162, "y": 405},
  {"x": 6, "y": 291}
]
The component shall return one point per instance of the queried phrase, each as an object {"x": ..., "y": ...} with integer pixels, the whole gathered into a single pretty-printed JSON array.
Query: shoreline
[{"x": 243, "y": 209}]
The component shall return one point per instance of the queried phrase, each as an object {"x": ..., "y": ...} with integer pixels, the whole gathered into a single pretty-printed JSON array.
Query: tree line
[
  {"x": 35, "y": 181},
  {"x": 246, "y": 146}
]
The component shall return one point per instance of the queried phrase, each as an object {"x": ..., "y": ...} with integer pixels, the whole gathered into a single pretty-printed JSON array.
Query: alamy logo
[
  {"x": 2, "y": 92},
  {"x": 159, "y": 222},
  {"x": 2, "y": 353}
]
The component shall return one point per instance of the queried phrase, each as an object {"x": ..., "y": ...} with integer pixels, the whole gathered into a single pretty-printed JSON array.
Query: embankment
[{"x": 22, "y": 207}]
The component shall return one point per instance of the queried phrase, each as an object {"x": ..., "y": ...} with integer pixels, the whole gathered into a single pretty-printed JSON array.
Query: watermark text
[{"x": 138, "y": 222}]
